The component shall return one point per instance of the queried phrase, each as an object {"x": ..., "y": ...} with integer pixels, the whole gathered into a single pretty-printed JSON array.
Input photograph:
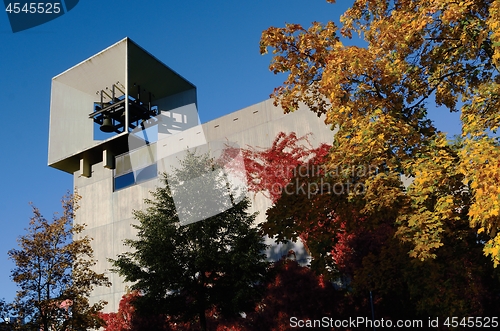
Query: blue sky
[{"x": 213, "y": 44}]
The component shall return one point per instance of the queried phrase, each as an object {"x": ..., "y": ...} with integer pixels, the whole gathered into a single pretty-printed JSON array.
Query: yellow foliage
[{"x": 418, "y": 55}]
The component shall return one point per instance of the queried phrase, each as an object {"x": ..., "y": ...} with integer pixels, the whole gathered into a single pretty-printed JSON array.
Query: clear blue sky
[{"x": 213, "y": 44}]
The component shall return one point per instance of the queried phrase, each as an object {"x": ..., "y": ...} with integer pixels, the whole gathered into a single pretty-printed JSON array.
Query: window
[{"x": 135, "y": 177}]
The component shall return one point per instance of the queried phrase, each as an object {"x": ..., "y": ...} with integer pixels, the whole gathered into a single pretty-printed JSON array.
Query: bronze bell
[{"x": 107, "y": 125}]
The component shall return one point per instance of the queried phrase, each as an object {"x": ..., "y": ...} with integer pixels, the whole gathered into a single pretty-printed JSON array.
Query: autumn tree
[
  {"x": 412, "y": 56},
  {"x": 186, "y": 270},
  {"x": 362, "y": 250},
  {"x": 127, "y": 318},
  {"x": 122, "y": 319},
  {"x": 54, "y": 272},
  {"x": 295, "y": 291}
]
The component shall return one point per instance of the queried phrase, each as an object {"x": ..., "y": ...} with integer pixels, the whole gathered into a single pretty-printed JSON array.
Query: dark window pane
[{"x": 124, "y": 181}]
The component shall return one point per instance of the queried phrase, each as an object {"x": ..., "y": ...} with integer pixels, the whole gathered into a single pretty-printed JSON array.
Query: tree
[
  {"x": 127, "y": 318},
  {"x": 295, "y": 291},
  {"x": 290, "y": 290},
  {"x": 415, "y": 55},
  {"x": 121, "y": 320},
  {"x": 361, "y": 249},
  {"x": 186, "y": 270},
  {"x": 53, "y": 271}
]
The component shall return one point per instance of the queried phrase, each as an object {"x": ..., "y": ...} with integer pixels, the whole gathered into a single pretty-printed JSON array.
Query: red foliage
[
  {"x": 270, "y": 170},
  {"x": 126, "y": 319},
  {"x": 292, "y": 291},
  {"x": 295, "y": 291},
  {"x": 121, "y": 321},
  {"x": 325, "y": 221}
]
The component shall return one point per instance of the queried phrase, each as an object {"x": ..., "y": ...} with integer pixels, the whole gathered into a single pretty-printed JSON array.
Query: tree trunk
[{"x": 203, "y": 320}]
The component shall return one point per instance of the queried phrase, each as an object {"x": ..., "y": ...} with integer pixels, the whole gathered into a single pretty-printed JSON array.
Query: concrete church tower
[
  {"x": 98, "y": 102},
  {"x": 120, "y": 118}
]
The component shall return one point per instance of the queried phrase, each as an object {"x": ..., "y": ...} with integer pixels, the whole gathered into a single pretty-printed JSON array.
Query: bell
[{"x": 107, "y": 125}]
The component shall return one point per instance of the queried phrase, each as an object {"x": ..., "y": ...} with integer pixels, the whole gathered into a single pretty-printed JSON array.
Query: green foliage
[
  {"x": 185, "y": 270},
  {"x": 54, "y": 271}
]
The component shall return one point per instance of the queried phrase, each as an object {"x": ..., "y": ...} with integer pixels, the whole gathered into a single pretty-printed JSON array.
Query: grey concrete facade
[{"x": 96, "y": 164}]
